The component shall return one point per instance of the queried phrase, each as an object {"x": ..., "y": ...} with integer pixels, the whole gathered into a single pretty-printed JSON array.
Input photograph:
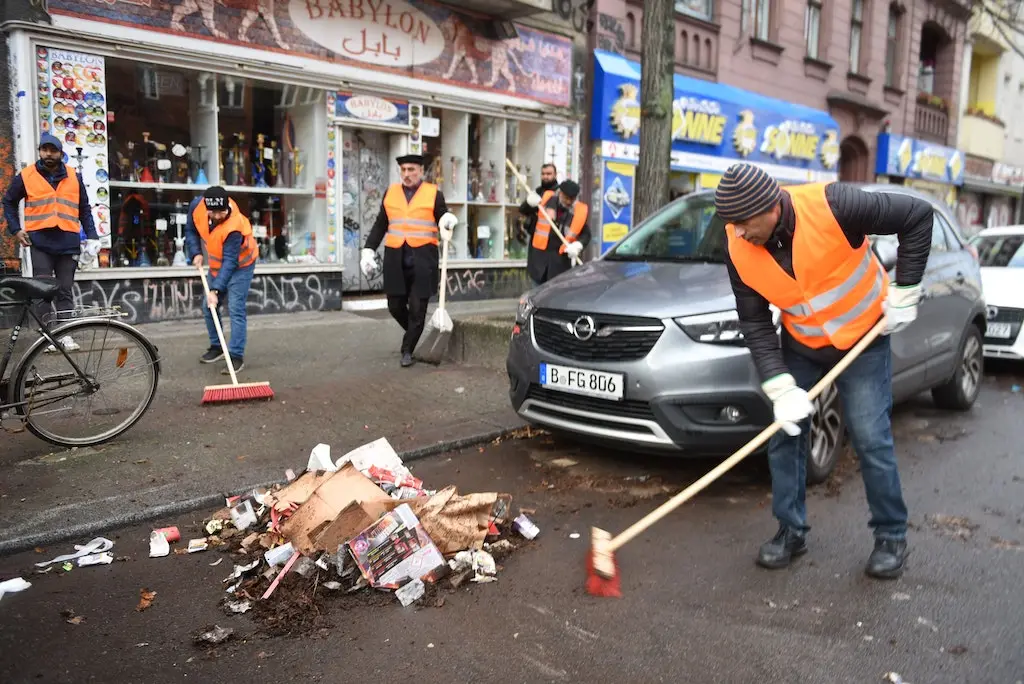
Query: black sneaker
[
  {"x": 212, "y": 355},
  {"x": 238, "y": 364},
  {"x": 780, "y": 550},
  {"x": 888, "y": 559},
  {"x": 406, "y": 360}
]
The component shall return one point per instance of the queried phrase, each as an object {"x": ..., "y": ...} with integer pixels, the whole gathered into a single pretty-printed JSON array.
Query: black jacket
[
  {"x": 859, "y": 214},
  {"x": 543, "y": 265}
]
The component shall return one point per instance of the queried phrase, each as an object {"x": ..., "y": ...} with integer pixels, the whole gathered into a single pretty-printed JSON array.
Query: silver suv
[{"x": 641, "y": 348}]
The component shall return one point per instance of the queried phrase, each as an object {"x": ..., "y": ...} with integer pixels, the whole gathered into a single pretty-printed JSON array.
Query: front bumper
[
  {"x": 673, "y": 402},
  {"x": 1011, "y": 348}
]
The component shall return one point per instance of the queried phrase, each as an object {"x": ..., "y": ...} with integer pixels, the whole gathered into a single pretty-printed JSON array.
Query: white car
[{"x": 1001, "y": 255}]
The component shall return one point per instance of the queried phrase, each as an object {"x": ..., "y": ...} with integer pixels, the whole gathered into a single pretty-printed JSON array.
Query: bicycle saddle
[{"x": 30, "y": 288}]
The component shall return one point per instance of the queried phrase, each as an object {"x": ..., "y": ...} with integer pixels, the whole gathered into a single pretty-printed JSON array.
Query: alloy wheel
[
  {"x": 971, "y": 367},
  {"x": 826, "y": 427}
]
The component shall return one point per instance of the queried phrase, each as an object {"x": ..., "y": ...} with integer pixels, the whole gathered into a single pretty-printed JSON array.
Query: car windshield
[
  {"x": 686, "y": 230},
  {"x": 1000, "y": 251}
]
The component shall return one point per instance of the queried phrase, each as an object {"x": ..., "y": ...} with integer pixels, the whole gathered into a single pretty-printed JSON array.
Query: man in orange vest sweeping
[
  {"x": 412, "y": 217},
  {"x": 805, "y": 250},
  {"x": 214, "y": 220},
  {"x": 547, "y": 256},
  {"x": 57, "y": 211}
]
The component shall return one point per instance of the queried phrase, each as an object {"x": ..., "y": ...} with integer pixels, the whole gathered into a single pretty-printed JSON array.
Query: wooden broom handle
[
  {"x": 751, "y": 446},
  {"x": 522, "y": 181},
  {"x": 220, "y": 331}
]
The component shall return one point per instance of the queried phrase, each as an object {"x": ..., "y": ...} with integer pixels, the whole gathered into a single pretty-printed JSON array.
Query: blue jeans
[
  {"x": 238, "y": 293},
  {"x": 865, "y": 389}
]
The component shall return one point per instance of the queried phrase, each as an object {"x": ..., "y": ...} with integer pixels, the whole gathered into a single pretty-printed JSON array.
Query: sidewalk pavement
[{"x": 337, "y": 380}]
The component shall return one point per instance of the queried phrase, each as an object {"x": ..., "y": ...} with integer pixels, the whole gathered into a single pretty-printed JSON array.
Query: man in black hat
[
  {"x": 547, "y": 256},
  {"x": 412, "y": 217},
  {"x": 57, "y": 212}
]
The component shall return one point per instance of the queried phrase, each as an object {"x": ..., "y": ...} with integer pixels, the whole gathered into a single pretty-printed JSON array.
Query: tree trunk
[{"x": 656, "y": 91}]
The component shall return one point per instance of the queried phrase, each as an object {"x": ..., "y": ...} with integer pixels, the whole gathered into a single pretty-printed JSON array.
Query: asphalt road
[{"x": 695, "y": 607}]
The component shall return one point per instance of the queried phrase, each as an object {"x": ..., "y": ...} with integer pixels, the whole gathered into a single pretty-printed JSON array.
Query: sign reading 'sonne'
[{"x": 382, "y": 32}]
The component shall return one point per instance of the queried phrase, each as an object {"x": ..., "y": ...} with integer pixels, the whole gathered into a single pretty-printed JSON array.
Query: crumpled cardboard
[
  {"x": 455, "y": 523},
  {"x": 297, "y": 491}
]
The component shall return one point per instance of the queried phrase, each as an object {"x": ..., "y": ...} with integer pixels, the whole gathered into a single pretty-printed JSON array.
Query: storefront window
[{"x": 174, "y": 132}]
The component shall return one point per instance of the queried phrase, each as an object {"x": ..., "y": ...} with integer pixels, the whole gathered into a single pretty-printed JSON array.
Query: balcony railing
[{"x": 931, "y": 123}]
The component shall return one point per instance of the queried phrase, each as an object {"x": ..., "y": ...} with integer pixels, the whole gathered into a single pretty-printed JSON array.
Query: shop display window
[{"x": 173, "y": 133}]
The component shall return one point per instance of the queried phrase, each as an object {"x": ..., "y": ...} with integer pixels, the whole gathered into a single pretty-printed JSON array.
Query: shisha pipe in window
[{"x": 181, "y": 166}]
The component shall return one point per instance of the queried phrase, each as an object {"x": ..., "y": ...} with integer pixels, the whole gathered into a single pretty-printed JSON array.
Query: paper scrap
[
  {"x": 97, "y": 545},
  {"x": 145, "y": 599},
  {"x": 13, "y": 586},
  {"x": 105, "y": 558},
  {"x": 320, "y": 458},
  {"x": 158, "y": 546}
]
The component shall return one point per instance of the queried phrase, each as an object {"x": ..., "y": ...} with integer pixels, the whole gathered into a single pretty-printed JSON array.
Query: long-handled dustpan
[
  {"x": 522, "y": 181},
  {"x": 602, "y": 574},
  {"x": 236, "y": 391},
  {"x": 437, "y": 334}
]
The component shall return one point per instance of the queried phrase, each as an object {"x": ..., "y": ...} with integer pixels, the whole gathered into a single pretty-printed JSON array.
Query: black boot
[
  {"x": 781, "y": 549},
  {"x": 406, "y": 359},
  {"x": 888, "y": 559}
]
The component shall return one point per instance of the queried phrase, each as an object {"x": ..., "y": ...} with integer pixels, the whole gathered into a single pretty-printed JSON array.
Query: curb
[{"x": 18, "y": 544}]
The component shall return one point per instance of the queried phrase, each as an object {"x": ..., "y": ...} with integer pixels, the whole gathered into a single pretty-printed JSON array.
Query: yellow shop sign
[
  {"x": 698, "y": 120},
  {"x": 791, "y": 140},
  {"x": 625, "y": 114},
  {"x": 928, "y": 163}
]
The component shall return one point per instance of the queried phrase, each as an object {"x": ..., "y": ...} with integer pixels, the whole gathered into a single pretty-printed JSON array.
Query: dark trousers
[
  {"x": 61, "y": 266},
  {"x": 410, "y": 312}
]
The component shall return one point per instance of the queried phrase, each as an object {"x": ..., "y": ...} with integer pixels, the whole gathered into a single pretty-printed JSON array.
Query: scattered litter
[
  {"x": 574, "y": 535},
  {"x": 172, "y": 534},
  {"x": 214, "y": 636},
  {"x": 900, "y": 596},
  {"x": 158, "y": 546},
  {"x": 141, "y": 644},
  {"x": 243, "y": 516},
  {"x": 97, "y": 545},
  {"x": 214, "y": 526},
  {"x": 771, "y": 604},
  {"x": 67, "y": 566},
  {"x": 924, "y": 622},
  {"x": 70, "y": 617},
  {"x": 480, "y": 563},
  {"x": 13, "y": 586},
  {"x": 894, "y": 678},
  {"x": 430, "y": 645},
  {"x": 105, "y": 558},
  {"x": 279, "y": 555},
  {"x": 525, "y": 527},
  {"x": 411, "y": 592},
  {"x": 868, "y": 637},
  {"x": 955, "y": 526},
  {"x": 860, "y": 624},
  {"x": 145, "y": 599},
  {"x": 320, "y": 459},
  {"x": 305, "y": 566},
  {"x": 332, "y": 585},
  {"x": 460, "y": 390},
  {"x": 239, "y": 606},
  {"x": 563, "y": 463},
  {"x": 196, "y": 545}
]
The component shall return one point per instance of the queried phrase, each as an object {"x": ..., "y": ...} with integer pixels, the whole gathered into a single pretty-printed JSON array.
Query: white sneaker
[{"x": 67, "y": 342}]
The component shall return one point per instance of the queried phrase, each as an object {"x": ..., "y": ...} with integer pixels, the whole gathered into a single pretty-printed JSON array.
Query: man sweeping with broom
[{"x": 412, "y": 216}]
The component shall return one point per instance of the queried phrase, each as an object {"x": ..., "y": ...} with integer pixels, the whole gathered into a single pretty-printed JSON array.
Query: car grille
[
  {"x": 620, "y": 345},
  {"x": 628, "y": 408},
  {"x": 1015, "y": 317}
]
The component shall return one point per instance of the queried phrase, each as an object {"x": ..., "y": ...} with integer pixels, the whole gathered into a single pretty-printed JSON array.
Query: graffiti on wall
[
  {"x": 487, "y": 283},
  {"x": 151, "y": 300},
  {"x": 410, "y": 37},
  {"x": 611, "y": 35}
]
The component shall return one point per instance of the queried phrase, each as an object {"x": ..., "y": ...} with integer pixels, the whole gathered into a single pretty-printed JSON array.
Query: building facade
[{"x": 299, "y": 109}]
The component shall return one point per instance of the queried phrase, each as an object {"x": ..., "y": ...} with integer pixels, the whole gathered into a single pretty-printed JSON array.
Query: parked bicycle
[{"x": 79, "y": 393}]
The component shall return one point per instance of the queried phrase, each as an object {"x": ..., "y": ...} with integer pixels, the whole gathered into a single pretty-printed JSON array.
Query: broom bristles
[
  {"x": 602, "y": 587},
  {"x": 602, "y": 573},
  {"x": 249, "y": 391}
]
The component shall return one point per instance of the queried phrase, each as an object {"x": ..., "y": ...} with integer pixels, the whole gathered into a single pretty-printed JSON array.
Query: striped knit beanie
[{"x": 745, "y": 191}]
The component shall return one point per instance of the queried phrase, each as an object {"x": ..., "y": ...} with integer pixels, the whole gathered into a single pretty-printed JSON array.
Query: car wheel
[
  {"x": 960, "y": 391},
  {"x": 828, "y": 429}
]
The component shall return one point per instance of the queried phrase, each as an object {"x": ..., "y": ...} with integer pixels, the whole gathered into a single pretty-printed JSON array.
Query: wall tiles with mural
[{"x": 409, "y": 37}]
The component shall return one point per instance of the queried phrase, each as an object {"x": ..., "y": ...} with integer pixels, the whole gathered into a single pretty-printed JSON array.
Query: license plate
[
  {"x": 998, "y": 330},
  {"x": 581, "y": 381}
]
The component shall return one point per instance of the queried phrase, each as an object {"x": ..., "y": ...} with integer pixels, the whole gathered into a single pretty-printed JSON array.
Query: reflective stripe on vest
[
  {"x": 46, "y": 207},
  {"x": 214, "y": 239},
  {"x": 411, "y": 221},
  {"x": 838, "y": 291},
  {"x": 542, "y": 232}
]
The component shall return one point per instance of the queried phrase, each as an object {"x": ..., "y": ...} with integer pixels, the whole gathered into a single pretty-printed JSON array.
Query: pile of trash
[{"x": 364, "y": 522}]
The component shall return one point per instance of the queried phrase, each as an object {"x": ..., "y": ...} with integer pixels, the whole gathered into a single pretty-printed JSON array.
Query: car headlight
[
  {"x": 720, "y": 327},
  {"x": 525, "y": 309}
]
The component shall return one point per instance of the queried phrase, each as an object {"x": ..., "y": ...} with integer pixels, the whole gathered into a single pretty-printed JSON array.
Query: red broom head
[
  {"x": 601, "y": 586},
  {"x": 250, "y": 392}
]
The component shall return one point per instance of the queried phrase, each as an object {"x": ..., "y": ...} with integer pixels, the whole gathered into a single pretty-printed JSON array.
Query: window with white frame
[
  {"x": 856, "y": 31},
  {"x": 758, "y": 14},
  {"x": 702, "y": 9},
  {"x": 812, "y": 27}
]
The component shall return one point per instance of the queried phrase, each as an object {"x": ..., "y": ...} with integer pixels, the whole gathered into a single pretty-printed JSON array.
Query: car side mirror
[{"x": 886, "y": 253}]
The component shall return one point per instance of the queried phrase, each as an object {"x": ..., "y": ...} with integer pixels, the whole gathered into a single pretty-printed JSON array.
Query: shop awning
[{"x": 715, "y": 125}]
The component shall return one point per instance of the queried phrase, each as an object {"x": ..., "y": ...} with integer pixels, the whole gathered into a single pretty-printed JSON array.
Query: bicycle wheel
[{"x": 60, "y": 407}]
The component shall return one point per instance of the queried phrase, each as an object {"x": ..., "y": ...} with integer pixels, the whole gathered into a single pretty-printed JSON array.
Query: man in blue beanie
[{"x": 57, "y": 210}]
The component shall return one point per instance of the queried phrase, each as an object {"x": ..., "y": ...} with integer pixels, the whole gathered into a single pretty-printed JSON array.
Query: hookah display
[
  {"x": 298, "y": 166},
  {"x": 145, "y": 176},
  {"x": 201, "y": 178},
  {"x": 275, "y": 164},
  {"x": 259, "y": 167},
  {"x": 492, "y": 184},
  {"x": 182, "y": 166},
  {"x": 180, "y": 218},
  {"x": 281, "y": 245}
]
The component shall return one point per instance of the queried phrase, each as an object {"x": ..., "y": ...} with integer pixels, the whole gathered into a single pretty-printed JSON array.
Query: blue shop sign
[
  {"x": 913, "y": 158},
  {"x": 715, "y": 125}
]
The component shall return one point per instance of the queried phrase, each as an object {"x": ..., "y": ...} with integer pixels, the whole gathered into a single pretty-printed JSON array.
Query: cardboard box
[{"x": 395, "y": 550}]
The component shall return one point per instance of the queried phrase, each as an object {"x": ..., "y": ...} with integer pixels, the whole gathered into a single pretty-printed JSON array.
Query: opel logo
[
  {"x": 991, "y": 312},
  {"x": 584, "y": 328}
]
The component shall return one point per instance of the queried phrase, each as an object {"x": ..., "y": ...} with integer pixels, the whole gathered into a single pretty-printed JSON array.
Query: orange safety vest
[
  {"x": 214, "y": 239},
  {"x": 411, "y": 222},
  {"x": 46, "y": 207},
  {"x": 838, "y": 291},
  {"x": 542, "y": 233}
]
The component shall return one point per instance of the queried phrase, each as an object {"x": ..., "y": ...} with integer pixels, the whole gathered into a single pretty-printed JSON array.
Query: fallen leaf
[
  {"x": 40, "y": 550},
  {"x": 145, "y": 599},
  {"x": 77, "y": 620}
]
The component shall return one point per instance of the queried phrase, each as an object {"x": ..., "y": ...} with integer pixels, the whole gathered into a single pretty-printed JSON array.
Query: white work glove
[
  {"x": 447, "y": 224},
  {"x": 574, "y": 249},
  {"x": 368, "y": 262},
  {"x": 900, "y": 306},
  {"x": 92, "y": 247},
  {"x": 789, "y": 402},
  {"x": 533, "y": 199}
]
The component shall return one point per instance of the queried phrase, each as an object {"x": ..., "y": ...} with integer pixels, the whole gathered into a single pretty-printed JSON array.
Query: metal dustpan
[{"x": 438, "y": 332}]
